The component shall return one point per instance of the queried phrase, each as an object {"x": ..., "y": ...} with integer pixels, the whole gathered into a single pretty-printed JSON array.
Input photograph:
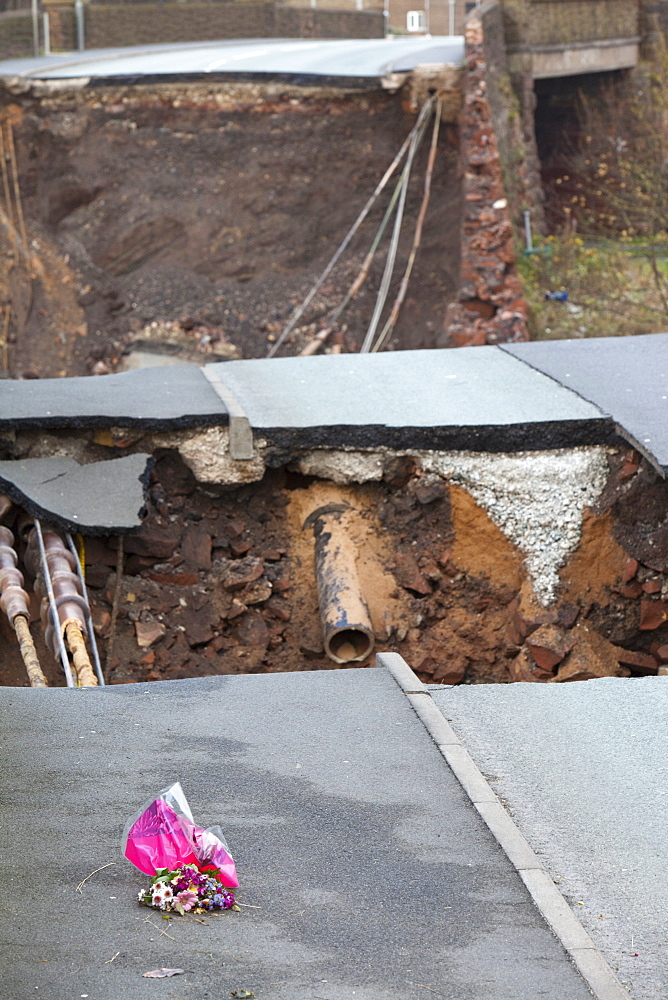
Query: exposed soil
[
  {"x": 195, "y": 221},
  {"x": 223, "y": 581},
  {"x": 209, "y": 213}
]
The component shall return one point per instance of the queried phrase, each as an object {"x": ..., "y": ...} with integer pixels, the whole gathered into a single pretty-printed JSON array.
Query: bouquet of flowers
[
  {"x": 188, "y": 888},
  {"x": 192, "y": 868}
]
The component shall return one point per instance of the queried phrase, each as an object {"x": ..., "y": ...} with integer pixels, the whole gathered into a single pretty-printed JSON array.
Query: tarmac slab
[
  {"x": 365, "y": 872},
  {"x": 154, "y": 398},
  {"x": 626, "y": 377},
  {"x": 475, "y": 398},
  {"x": 99, "y": 498},
  {"x": 334, "y": 59},
  {"x": 582, "y": 769}
]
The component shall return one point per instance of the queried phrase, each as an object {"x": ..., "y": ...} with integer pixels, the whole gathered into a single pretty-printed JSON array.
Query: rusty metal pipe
[
  {"x": 14, "y": 601},
  {"x": 346, "y": 623}
]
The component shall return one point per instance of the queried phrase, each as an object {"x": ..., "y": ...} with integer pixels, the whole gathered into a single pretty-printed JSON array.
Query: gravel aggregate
[{"x": 536, "y": 498}]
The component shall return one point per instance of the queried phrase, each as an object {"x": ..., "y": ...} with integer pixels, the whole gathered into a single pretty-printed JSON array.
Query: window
[{"x": 416, "y": 21}]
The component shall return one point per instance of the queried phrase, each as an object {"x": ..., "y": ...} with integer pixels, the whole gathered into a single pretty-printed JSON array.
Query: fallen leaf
[
  {"x": 242, "y": 993},
  {"x": 164, "y": 973}
]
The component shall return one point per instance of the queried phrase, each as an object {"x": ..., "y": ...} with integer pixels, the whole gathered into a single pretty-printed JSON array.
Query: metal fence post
[
  {"x": 35, "y": 27},
  {"x": 79, "y": 16}
]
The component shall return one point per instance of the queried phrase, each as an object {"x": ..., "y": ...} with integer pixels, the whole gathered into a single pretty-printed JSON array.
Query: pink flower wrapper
[{"x": 164, "y": 835}]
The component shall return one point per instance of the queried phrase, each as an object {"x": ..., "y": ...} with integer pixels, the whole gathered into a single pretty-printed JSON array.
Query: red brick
[
  {"x": 174, "y": 579},
  {"x": 196, "y": 549},
  {"x": 639, "y": 662},
  {"x": 630, "y": 570},
  {"x": 523, "y": 669},
  {"x": 549, "y": 645},
  {"x": 409, "y": 576},
  {"x": 628, "y": 470},
  {"x": 653, "y": 613},
  {"x": 157, "y": 541}
]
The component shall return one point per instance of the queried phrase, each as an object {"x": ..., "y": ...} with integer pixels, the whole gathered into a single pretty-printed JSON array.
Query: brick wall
[
  {"x": 145, "y": 23},
  {"x": 564, "y": 22},
  {"x": 490, "y": 307},
  {"x": 512, "y": 102}
]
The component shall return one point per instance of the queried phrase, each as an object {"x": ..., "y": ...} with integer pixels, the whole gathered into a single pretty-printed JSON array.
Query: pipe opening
[{"x": 349, "y": 645}]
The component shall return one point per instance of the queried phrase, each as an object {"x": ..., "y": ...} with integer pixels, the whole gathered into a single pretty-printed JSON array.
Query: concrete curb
[{"x": 587, "y": 958}]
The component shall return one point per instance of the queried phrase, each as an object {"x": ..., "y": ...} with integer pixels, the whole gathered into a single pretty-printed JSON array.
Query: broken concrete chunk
[
  {"x": 234, "y": 574},
  {"x": 100, "y": 498},
  {"x": 592, "y": 656}
]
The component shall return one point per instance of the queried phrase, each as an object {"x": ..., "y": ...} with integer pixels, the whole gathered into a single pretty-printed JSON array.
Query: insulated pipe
[
  {"x": 14, "y": 601},
  {"x": 346, "y": 624},
  {"x": 64, "y": 608}
]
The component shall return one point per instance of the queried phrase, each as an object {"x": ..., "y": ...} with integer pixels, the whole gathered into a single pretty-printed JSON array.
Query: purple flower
[{"x": 223, "y": 900}]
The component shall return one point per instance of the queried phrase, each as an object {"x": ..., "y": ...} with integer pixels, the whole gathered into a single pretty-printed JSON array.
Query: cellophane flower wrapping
[{"x": 163, "y": 836}]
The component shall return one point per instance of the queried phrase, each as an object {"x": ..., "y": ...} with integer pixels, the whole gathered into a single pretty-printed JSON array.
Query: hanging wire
[
  {"x": 392, "y": 252},
  {"x": 361, "y": 276},
  {"x": 300, "y": 310},
  {"x": 417, "y": 238}
]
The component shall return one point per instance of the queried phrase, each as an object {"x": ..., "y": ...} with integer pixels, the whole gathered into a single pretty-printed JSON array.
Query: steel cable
[
  {"x": 394, "y": 244},
  {"x": 300, "y": 310}
]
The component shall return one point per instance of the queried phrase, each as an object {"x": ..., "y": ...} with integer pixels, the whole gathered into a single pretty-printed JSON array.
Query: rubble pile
[
  {"x": 225, "y": 583},
  {"x": 221, "y": 580}
]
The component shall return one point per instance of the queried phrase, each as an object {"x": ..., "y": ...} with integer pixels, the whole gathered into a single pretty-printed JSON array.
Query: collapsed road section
[
  {"x": 190, "y": 216},
  {"x": 478, "y": 515}
]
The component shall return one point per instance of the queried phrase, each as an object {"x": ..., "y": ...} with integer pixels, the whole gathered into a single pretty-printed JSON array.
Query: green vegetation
[
  {"x": 611, "y": 255},
  {"x": 615, "y": 288}
]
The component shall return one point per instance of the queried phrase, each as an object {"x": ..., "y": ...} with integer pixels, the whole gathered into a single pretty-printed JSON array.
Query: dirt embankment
[
  {"x": 222, "y": 581},
  {"x": 213, "y": 211}
]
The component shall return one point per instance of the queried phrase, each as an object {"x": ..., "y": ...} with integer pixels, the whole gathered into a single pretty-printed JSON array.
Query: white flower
[{"x": 161, "y": 894}]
